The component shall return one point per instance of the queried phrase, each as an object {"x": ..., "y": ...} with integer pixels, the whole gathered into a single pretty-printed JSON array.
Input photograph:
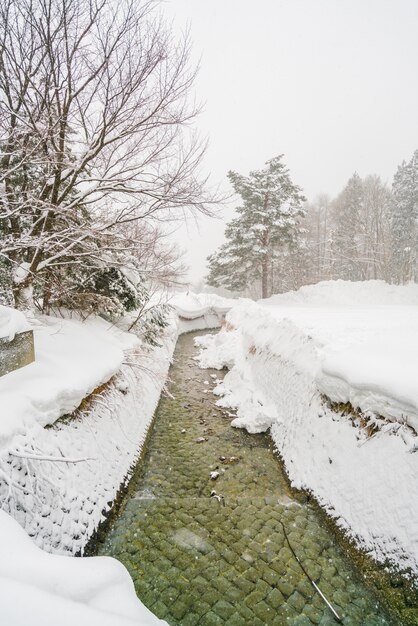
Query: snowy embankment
[
  {"x": 199, "y": 311},
  {"x": 72, "y": 359},
  {"x": 41, "y": 589},
  {"x": 350, "y": 342},
  {"x": 12, "y": 322},
  {"x": 57, "y": 482}
]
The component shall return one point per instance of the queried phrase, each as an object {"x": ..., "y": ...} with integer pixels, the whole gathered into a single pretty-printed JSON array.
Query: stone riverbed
[{"x": 198, "y": 559}]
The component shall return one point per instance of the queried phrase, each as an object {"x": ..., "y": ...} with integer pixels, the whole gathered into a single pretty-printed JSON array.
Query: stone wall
[
  {"x": 60, "y": 504},
  {"x": 18, "y": 352}
]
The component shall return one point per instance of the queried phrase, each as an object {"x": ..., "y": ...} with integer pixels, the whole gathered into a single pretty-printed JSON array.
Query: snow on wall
[
  {"x": 370, "y": 486},
  {"x": 208, "y": 320},
  {"x": 72, "y": 358},
  {"x": 191, "y": 306},
  {"x": 57, "y": 482},
  {"x": 60, "y": 504}
]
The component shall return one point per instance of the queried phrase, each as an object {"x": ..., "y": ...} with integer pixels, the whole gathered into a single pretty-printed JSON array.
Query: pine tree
[
  {"x": 267, "y": 222},
  {"x": 404, "y": 221}
]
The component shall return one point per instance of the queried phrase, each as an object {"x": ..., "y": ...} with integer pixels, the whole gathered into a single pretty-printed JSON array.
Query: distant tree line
[{"x": 369, "y": 231}]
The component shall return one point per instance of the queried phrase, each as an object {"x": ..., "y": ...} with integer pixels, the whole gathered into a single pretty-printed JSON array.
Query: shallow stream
[{"x": 206, "y": 560}]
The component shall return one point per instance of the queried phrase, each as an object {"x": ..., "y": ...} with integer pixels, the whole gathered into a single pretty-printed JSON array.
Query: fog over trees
[
  {"x": 98, "y": 154},
  {"x": 369, "y": 231}
]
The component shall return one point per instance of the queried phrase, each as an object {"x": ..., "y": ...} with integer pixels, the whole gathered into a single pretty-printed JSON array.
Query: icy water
[{"x": 196, "y": 559}]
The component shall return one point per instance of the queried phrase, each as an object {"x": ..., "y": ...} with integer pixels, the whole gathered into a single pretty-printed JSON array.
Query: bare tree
[
  {"x": 95, "y": 109},
  {"x": 376, "y": 228}
]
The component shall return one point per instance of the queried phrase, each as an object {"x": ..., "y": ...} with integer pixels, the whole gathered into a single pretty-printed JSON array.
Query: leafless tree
[{"x": 95, "y": 113}]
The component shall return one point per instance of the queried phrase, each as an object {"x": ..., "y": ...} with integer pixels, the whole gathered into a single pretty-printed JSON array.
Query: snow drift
[
  {"x": 11, "y": 322},
  {"x": 60, "y": 504},
  {"x": 42, "y": 589},
  {"x": 353, "y": 342},
  {"x": 72, "y": 359}
]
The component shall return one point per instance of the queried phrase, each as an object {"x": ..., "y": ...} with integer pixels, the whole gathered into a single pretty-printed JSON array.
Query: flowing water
[{"x": 207, "y": 560}]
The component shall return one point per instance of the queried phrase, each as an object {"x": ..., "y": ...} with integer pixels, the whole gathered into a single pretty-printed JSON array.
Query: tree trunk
[
  {"x": 264, "y": 277},
  {"x": 23, "y": 295}
]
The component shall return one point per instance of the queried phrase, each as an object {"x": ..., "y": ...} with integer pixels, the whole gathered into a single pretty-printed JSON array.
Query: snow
[
  {"x": 190, "y": 306},
  {"x": 60, "y": 505},
  {"x": 12, "y": 322},
  {"x": 72, "y": 359},
  {"x": 347, "y": 293},
  {"x": 366, "y": 335},
  {"x": 21, "y": 272},
  {"x": 355, "y": 342},
  {"x": 42, "y": 589}
]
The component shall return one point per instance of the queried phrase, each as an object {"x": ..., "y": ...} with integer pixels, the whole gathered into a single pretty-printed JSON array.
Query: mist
[{"x": 331, "y": 85}]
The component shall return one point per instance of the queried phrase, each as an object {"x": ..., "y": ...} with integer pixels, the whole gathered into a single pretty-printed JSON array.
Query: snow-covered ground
[
  {"x": 199, "y": 311},
  {"x": 58, "y": 503},
  {"x": 367, "y": 340},
  {"x": 72, "y": 358},
  {"x": 57, "y": 481},
  {"x": 41, "y": 589},
  {"x": 351, "y": 342}
]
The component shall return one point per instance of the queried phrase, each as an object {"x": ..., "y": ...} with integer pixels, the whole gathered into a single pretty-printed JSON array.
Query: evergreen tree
[
  {"x": 404, "y": 221},
  {"x": 267, "y": 222}
]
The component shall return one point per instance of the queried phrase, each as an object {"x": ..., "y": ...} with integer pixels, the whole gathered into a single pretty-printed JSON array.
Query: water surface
[{"x": 200, "y": 559}]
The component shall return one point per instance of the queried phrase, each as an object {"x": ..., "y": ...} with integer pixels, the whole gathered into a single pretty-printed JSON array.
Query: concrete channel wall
[
  {"x": 321, "y": 451},
  {"x": 17, "y": 353},
  {"x": 60, "y": 504}
]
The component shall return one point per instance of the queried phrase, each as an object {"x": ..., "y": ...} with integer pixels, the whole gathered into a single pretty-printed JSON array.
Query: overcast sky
[{"x": 331, "y": 84}]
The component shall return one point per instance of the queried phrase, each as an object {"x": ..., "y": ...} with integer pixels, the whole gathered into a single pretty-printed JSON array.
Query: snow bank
[
  {"x": 366, "y": 338},
  {"x": 190, "y": 306},
  {"x": 11, "y": 323},
  {"x": 72, "y": 359},
  {"x": 347, "y": 293},
  {"x": 61, "y": 504},
  {"x": 42, "y": 590},
  {"x": 285, "y": 356}
]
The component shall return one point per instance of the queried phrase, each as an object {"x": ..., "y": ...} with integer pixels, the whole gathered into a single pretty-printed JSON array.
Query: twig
[
  {"x": 313, "y": 583},
  {"x": 38, "y": 457}
]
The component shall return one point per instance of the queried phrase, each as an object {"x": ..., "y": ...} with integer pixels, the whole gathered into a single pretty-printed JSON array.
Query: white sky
[{"x": 332, "y": 84}]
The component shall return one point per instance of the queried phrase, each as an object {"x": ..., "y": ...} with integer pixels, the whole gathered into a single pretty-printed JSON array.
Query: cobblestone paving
[{"x": 198, "y": 560}]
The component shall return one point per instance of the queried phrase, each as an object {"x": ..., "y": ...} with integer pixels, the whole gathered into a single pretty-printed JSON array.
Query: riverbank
[
  {"x": 60, "y": 481},
  {"x": 360, "y": 465},
  {"x": 223, "y": 559}
]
